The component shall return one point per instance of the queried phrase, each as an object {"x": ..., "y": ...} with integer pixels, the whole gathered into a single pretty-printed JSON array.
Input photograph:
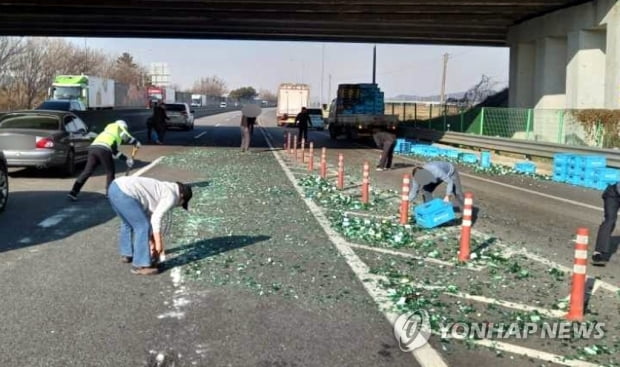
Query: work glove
[
  {"x": 129, "y": 162},
  {"x": 138, "y": 145}
]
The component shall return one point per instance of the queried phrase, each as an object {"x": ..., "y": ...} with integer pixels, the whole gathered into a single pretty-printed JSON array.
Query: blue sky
[{"x": 401, "y": 69}]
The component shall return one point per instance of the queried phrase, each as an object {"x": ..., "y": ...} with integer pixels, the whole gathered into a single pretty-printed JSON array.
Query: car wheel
[
  {"x": 70, "y": 164},
  {"x": 4, "y": 186}
]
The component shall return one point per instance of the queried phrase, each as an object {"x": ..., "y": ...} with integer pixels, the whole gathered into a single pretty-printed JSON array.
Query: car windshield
[
  {"x": 175, "y": 107},
  {"x": 61, "y": 106},
  {"x": 30, "y": 121},
  {"x": 67, "y": 92}
]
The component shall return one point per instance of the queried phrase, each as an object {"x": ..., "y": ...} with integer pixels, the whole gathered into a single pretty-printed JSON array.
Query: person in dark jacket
[
  {"x": 302, "y": 120},
  {"x": 385, "y": 141},
  {"x": 426, "y": 178},
  {"x": 158, "y": 121},
  {"x": 611, "y": 204}
]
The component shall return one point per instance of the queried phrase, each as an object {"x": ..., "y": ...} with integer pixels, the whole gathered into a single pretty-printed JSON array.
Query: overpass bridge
[{"x": 564, "y": 53}]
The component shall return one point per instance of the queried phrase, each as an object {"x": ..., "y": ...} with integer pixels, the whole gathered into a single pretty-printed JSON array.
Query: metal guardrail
[{"x": 525, "y": 147}]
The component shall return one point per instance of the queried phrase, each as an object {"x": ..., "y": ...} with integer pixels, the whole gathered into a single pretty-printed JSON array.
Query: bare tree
[
  {"x": 9, "y": 48},
  {"x": 484, "y": 88},
  {"x": 210, "y": 86}
]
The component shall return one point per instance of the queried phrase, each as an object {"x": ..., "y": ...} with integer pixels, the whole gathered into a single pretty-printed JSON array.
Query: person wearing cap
[
  {"x": 141, "y": 203},
  {"x": 302, "y": 120},
  {"x": 102, "y": 151},
  {"x": 426, "y": 178}
]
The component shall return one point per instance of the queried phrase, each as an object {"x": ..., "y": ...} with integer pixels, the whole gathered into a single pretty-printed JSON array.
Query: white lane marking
[
  {"x": 179, "y": 299},
  {"x": 425, "y": 355},
  {"x": 199, "y": 135},
  {"x": 143, "y": 170},
  {"x": 25, "y": 240},
  {"x": 58, "y": 217},
  {"x": 568, "y": 201},
  {"x": 218, "y": 125},
  {"x": 524, "y": 351}
]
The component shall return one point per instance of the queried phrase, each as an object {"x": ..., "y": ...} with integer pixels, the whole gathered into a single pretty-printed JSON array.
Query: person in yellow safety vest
[{"x": 103, "y": 151}]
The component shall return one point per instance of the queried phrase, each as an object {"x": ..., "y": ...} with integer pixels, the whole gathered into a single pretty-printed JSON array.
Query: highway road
[{"x": 254, "y": 279}]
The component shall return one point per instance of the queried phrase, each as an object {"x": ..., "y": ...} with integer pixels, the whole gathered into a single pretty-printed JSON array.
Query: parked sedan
[
  {"x": 179, "y": 115},
  {"x": 4, "y": 182},
  {"x": 62, "y": 105},
  {"x": 42, "y": 139}
]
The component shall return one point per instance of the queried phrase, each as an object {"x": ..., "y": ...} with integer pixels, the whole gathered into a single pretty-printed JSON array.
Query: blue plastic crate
[
  {"x": 590, "y": 182},
  {"x": 525, "y": 167},
  {"x": 610, "y": 175},
  {"x": 559, "y": 176},
  {"x": 453, "y": 153},
  {"x": 595, "y": 161},
  {"x": 433, "y": 213},
  {"x": 485, "y": 159},
  {"x": 561, "y": 158},
  {"x": 468, "y": 158},
  {"x": 578, "y": 161},
  {"x": 600, "y": 185},
  {"x": 576, "y": 180},
  {"x": 560, "y": 170},
  {"x": 431, "y": 152}
]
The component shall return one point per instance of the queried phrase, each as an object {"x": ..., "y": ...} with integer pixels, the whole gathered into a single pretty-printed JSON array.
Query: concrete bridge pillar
[{"x": 567, "y": 59}]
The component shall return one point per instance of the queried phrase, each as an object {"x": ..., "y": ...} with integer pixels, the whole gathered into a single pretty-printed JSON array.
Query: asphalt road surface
[{"x": 68, "y": 301}]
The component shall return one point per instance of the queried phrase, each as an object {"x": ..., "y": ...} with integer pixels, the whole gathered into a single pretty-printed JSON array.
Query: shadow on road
[
  {"x": 208, "y": 247},
  {"x": 36, "y": 217}
]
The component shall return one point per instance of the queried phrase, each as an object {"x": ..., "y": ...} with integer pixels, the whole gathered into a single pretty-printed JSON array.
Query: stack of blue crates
[
  {"x": 485, "y": 159},
  {"x": 584, "y": 170},
  {"x": 433, "y": 213},
  {"x": 362, "y": 99},
  {"x": 525, "y": 167},
  {"x": 468, "y": 158}
]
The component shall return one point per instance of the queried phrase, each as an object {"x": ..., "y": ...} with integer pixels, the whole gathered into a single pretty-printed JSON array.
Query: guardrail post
[
  {"x": 415, "y": 112},
  {"x": 482, "y": 122},
  {"x": 528, "y": 125}
]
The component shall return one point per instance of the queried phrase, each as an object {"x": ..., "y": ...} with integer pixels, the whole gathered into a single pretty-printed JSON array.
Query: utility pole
[
  {"x": 322, "y": 72},
  {"x": 374, "y": 65},
  {"x": 442, "y": 97},
  {"x": 329, "y": 90}
]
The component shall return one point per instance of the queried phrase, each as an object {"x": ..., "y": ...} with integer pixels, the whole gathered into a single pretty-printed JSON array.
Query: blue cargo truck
[{"x": 357, "y": 110}]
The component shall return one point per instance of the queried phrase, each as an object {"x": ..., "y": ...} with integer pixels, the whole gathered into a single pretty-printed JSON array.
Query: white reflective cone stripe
[
  {"x": 581, "y": 254},
  {"x": 467, "y": 223},
  {"x": 579, "y": 269},
  {"x": 582, "y": 239},
  {"x": 405, "y": 198},
  {"x": 467, "y": 212},
  {"x": 469, "y": 201}
]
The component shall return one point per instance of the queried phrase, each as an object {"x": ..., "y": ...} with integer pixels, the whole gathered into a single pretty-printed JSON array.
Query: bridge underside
[{"x": 464, "y": 22}]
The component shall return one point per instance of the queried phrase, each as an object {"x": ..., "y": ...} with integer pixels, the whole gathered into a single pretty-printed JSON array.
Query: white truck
[
  {"x": 291, "y": 98},
  {"x": 199, "y": 100},
  {"x": 358, "y": 111},
  {"x": 94, "y": 92}
]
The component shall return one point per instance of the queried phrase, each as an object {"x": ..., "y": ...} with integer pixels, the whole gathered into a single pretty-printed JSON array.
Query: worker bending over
[
  {"x": 611, "y": 204},
  {"x": 431, "y": 175},
  {"x": 103, "y": 151},
  {"x": 385, "y": 141},
  {"x": 141, "y": 203}
]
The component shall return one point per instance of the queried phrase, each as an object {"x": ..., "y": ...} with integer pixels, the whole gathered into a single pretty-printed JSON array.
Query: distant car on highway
[
  {"x": 44, "y": 138},
  {"x": 180, "y": 115},
  {"x": 4, "y": 182},
  {"x": 62, "y": 105},
  {"x": 316, "y": 118},
  {"x": 224, "y": 104}
]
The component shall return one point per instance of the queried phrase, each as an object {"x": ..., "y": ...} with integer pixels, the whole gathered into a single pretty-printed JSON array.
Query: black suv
[{"x": 4, "y": 182}]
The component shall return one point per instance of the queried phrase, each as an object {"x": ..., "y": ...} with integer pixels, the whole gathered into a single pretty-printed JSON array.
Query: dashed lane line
[
  {"x": 143, "y": 170},
  {"x": 426, "y": 355},
  {"x": 200, "y": 135}
]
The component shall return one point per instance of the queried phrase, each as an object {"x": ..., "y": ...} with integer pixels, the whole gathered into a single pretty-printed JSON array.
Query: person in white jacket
[{"x": 141, "y": 203}]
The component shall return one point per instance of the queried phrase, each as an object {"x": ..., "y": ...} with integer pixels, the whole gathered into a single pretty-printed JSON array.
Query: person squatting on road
[
  {"x": 385, "y": 141},
  {"x": 103, "y": 151},
  {"x": 141, "y": 203},
  {"x": 431, "y": 175},
  {"x": 247, "y": 124},
  {"x": 302, "y": 120},
  {"x": 611, "y": 204}
]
